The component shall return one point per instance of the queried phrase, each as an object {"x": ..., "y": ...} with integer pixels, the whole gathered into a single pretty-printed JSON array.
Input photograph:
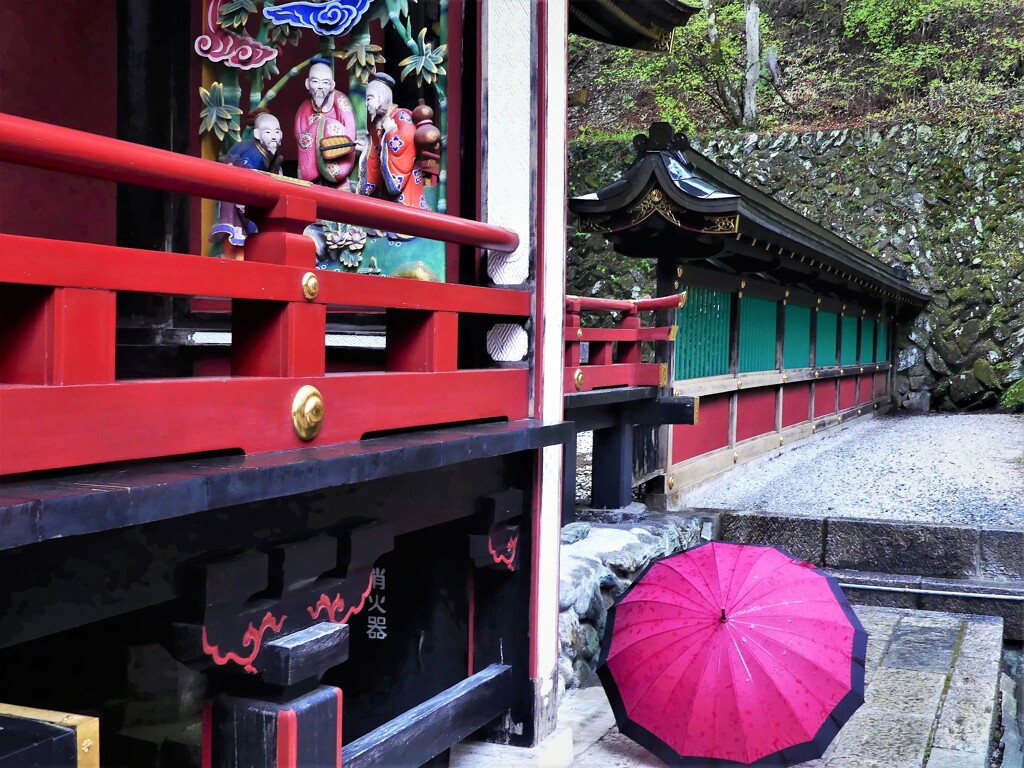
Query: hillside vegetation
[{"x": 830, "y": 64}]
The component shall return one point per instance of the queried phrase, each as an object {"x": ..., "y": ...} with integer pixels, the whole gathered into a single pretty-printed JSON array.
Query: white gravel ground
[{"x": 957, "y": 469}]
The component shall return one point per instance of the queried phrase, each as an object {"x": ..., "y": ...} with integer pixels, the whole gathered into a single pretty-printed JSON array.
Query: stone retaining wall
[{"x": 601, "y": 556}]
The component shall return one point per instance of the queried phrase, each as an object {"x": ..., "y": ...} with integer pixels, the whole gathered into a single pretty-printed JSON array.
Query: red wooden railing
[
  {"x": 615, "y": 355},
  {"x": 61, "y": 405}
]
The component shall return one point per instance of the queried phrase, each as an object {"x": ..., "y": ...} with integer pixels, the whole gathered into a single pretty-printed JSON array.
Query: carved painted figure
[
  {"x": 261, "y": 154},
  {"x": 388, "y": 168},
  {"x": 325, "y": 130}
]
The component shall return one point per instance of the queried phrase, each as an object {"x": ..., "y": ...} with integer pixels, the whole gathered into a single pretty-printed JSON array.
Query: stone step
[
  {"x": 932, "y": 681},
  {"x": 920, "y": 558}
]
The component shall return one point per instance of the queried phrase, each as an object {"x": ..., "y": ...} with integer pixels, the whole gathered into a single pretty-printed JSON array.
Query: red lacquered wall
[
  {"x": 824, "y": 398},
  {"x": 847, "y": 393},
  {"x": 755, "y": 414},
  {"x": 796, "y": 403},
  {"x": 59, "y": 65},
  {"x": 863, "y": 389},
  {"x": 711, "y": 433},
  {"x": 880, "y": 384}
]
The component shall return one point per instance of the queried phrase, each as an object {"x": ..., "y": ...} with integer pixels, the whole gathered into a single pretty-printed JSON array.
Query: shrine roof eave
[
  {"x": 641, "y": 24},
  {"x": 697, "y": 199}
]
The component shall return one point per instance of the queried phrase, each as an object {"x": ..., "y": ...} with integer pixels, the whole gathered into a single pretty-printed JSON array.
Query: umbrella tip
[{"x": 723, "y": 619}]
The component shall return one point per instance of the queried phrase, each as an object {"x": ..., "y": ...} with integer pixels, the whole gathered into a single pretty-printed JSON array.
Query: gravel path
[{"x": 957, "y": 469}]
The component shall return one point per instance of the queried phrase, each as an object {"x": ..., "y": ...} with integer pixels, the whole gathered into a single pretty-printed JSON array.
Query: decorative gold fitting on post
[
  {"x": 735, "y": 457},
  {"x": 682, "y": 299},
  {"x": 307, "y": 412},
  {"x": 781, "y": 439},
  {"x": 785, "y": 378},
  {"x": 860, "y": 412},
  {"x": 841, "y": 371},
  {"x": 663, "y": 375},
  {"x": 675, "y": 285},
  {"x": 696, "y": 411},
  {"x": 787, "y": 293},
  {"x": 876, "y": 406},
  {"x": 671, "y": 482},
  {"x": 817, "y": 374},
  {"x": 862, "y": 369},
  {"x": 739, "y": 383},
  {"x": 741, "y": 294},
  {"x": 743, "y": 283},
  {"x": 819, "y": 300},
  {"x": 672, "y": 331},
  {"x": 840, "y": 420},
  {"x": 679, "y": 271},
  {"x": 578, "y": 378},
  {"x": 579, "y": 333},
  {"x": 310, "y": 286},
  {"x": 814, "y": 427}
]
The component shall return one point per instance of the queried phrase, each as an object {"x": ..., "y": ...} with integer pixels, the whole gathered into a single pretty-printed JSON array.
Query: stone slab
[
  {"x": 954, "y": 758},
  {"x": 925, "y": 550},
  {"x": 803, "y": 537},
  {"x": 886, "y": 737},
  {"x": 553, "y": 752},
  {"x": 1011, "y": 612},
  {"x": 922, "y": 648},
  {"x": 983, "y": 637},
  {"x": 906, "y": 690},
  {"x": 883, "y": 598},
  {"x": 1002, "y": 554},
  {"x": 586, "y": 712}
]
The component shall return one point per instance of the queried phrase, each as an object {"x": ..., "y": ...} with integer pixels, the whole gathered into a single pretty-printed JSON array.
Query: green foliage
[
  {"x": 1013, "y": 398},
  {"x": 234, "y": 14},
  {"x": 217, "y": 115},
  {"x": 426, "y": 62}
]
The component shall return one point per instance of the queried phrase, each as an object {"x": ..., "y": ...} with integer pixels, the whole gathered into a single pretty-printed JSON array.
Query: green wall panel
[
  {"x": 796, "y": 342},
  {"x": 848, "y": 350},
  {"x": 867, "y": 340},
  {"x": 758, "y": 333},
  {"x": 702, "y": 343},
  {"x": 882, "y": 343},
  {"x": 825, "y": 341}
]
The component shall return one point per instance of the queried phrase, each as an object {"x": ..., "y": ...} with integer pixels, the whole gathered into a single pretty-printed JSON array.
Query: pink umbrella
[{"x": 733, "y": 654}]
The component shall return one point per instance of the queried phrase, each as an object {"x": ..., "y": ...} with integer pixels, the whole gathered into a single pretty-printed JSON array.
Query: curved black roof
[
  {"x": 643, "y": 24},
  {"x": 721, "y": 220}
]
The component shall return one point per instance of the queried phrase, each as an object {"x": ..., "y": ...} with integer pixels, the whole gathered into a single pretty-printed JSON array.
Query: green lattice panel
[
  {"x": 796, "y": 341},
  {"x": 702, "y": 344},
  {"x": 758, "y": 334},
  {"x": 882, "y": 342},
  {"x": 848, "y": 350},
  {"x": 825, "y": 341},
  {"x": 867, "y": 340}
]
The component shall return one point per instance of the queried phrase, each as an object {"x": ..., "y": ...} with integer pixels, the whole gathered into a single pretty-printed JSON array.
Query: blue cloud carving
[{"x": 329, "y": 19}]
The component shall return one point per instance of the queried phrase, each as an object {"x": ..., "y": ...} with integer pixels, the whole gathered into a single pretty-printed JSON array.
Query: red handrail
[
  {"x": 41, "y": 145},
  {"x": 589, "y": 303}
]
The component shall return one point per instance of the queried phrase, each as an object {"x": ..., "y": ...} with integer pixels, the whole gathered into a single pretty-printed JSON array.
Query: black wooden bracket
[
  {"x": 498, "y": 548},
  {"x": 245, "y": 609}
]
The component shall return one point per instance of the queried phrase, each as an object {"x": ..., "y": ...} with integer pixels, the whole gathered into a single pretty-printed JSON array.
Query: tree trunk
[
  {"x": 726, "y": 93},
  {"x": 752, "y": 74}
]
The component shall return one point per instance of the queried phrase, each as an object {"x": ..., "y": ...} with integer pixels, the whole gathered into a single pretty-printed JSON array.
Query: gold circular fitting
[
  {"x": 817, "y": 374},
  {"x": 787, "y": 293},
  {"x": 860, "y": 412},
  {"x": 578, "y": 378},
  {"x": 307, "y": 412},
  {"x": 579, "y": 333},
  {"x": 679, "y": 271},
  {"x": 741, "y": 294},
  {"x": 841, "y": 372},
  {"x": 310, "y": 286},
  {"x": 785, "y": 378},
  {"x": 862, "y": 369},
  {"x": 840, "y": 420},
  {"x": 671, "y": 482},
  {"x": 739, "y": 383},
  {"x": 819, "y": 299},
  {"x": 675, "y": 285},
  {"x": 743, "y": 283},
  {"x": 781, "y": 439},
  {"x": 735, "y": 458}
]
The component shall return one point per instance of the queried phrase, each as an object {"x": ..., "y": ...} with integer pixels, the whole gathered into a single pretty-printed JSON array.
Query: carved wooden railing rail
[
  {"x": 615, "y": 354},
  {"x": 62, "y": 406}
]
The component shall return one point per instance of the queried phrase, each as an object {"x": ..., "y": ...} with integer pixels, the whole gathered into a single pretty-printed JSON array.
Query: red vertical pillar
[{"x": 421, "y": 341}]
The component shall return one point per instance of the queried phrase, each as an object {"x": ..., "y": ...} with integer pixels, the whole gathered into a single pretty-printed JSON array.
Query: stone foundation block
[
  {"x": 1002, "y": 554},
  {"x": 925, "y": 550},
  {"x": 803, "y": 537}
]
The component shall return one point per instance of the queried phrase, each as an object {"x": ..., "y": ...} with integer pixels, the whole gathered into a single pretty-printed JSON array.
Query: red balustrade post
[
  {"x": 421, "y": 341},
  {"x": 629, "y": 351},
  {"x": 57, "y": 335},
  {"x": 573, "y": 335},
  {"x": 281, "y": 338}
]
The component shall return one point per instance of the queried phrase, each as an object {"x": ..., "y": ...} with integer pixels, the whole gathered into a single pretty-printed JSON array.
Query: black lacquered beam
[{"x": 435, "y": 725}]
